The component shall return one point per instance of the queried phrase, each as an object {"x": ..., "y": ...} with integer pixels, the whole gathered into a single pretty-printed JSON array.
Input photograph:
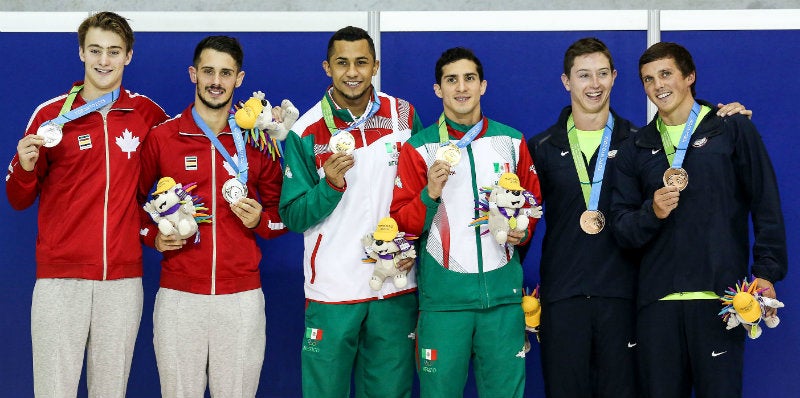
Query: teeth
[
  {"x": 352, "y": 84},
  {"x": 662, "y": 96},
  {"x": 593, "y": 95}
]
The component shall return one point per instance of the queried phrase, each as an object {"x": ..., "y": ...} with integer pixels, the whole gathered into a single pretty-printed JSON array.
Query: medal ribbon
[
  {"x": 444, "y": 137},
  {"x": 327, "y": 114},
  {"x": 67, "y": 115},
  {"x": 238, "y": 141},
  {"x": 675, "y": 157},
  {"x": 591, "y": 188}
]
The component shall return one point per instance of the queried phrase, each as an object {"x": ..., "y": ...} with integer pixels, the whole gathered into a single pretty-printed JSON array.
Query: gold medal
[
  {"x": 676, "y": 177},
  {"x": 342, "y": 142},
  {"x": 592, "y": 221},
  {"x": 449, "y": 153},
  {"x": 51, "y": 133}
]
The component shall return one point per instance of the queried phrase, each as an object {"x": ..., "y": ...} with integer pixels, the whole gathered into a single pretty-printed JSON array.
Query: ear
[
  {"x": 565, "y": 81},
  {"x": 375, "y": 68},
  {"x": 613, "y": 77},
  {"x": 129, "y": 57},
  {"x": 327, "y": 67},
  {"x": 437, "y": 89},
  {"x": 691, "y": 77},
  {"x": 483, "y": 87},
  {"x": 239, "y": 78},
  {"x": 193, "y": 74},
  {"x": 80, "y": 54}
]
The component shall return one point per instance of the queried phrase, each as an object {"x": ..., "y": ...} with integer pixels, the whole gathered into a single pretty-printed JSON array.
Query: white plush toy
[
  {"x": 504, "y": 208},
  {"x": 258, "y": 113},
  {"x": 386, "y": 247},
  {"x": 173, "y": 209},
  {"x": 747, "y": 307}
]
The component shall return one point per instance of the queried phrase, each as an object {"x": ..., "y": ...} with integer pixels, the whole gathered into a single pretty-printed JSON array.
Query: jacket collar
[
  {"x": 187, "y": 126},
  {"x": 709, "y": 126},
  {"x": 560, "y": 139}
]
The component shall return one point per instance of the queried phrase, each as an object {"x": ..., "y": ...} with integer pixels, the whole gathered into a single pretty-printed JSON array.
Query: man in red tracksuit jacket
[
  {"x": 88, "y": 256},
  {"x": 209, "y": 325}
]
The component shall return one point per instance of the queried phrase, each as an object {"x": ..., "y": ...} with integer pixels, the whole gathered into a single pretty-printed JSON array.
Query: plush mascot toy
[
  {"x": 386, "y": 247},
  {"x": 747, "y": 307},
  {"x": 174, "y": 209},
  {"x": 507, "y": 206},
  {"x": 258, "y": 113}
]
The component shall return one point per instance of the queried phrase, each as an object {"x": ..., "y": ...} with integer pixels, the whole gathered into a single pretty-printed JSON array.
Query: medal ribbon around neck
[
  {"x": 444, "y": 137},
  {"x": 591, "y": 189},
  {"x": 66, "y": 115},
  {"x": 675, "y": 157},
  {"x": 238, "y": 141},
  {"x": 327, "y": 114}
]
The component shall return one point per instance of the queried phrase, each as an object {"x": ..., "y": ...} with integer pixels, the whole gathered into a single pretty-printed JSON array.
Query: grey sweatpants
[
  {"x": 70, "y": 316},
  {"x": 213, "y": 339}
]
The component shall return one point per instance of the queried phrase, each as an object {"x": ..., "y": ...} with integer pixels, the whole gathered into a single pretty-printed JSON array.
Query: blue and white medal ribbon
[
  {"x": 235, "y": 188},
  {"x": 342, "y": 140},
  {"x": 51, "y": 130},
  {"x": 592, "y": 220},
  {"x": 676, "y": 175},
  {"x": 451, "y": 152}
]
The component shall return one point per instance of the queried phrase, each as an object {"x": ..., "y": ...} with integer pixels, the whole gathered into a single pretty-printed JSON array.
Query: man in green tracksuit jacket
[{"x": 470, "y": 286}]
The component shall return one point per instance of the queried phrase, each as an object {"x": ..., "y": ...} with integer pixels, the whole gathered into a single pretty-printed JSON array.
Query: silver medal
[
  {"x": 51, "y": 133},
  {"x": 233, "y": 190},
  {"x": 342, "y": 142}
]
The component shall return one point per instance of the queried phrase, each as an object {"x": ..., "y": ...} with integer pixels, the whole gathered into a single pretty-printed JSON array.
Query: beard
[{"x": 212, "y": 105}]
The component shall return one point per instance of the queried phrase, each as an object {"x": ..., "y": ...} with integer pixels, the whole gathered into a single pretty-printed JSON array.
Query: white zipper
[{"x": 214, "y": 224}]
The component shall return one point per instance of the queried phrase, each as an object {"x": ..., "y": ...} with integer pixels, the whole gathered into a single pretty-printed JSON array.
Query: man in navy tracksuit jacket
[{"x": 695, "y": 241}]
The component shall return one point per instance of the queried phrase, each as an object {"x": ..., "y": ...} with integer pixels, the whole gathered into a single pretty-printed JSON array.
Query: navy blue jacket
[
  {"x": 573, "y": 262},
  {"x": 703, "y": 245}
]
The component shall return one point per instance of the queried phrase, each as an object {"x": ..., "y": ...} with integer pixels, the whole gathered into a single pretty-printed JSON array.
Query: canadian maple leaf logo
[
  {"x": 127, "y": 142},
  {"x": 228, "y": 167}
]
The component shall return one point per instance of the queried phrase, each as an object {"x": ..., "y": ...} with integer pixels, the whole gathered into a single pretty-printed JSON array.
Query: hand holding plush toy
[
  {"x": 173, "y": 209},
  {"x": 386, "y": 247},
  {"x": 505, "y": 208},
  {"x": 747, "y": 307}
]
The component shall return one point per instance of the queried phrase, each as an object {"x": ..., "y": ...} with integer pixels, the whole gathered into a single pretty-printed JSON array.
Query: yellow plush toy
[
  {"x": 386, "y": 247},
  {"x": 746, "y": 306}
]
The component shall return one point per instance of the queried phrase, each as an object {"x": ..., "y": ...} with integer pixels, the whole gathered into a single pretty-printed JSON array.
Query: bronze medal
[
  {"x": 592, "y": 221},
  {"x": 449, "y": 153},
  {"x": 676, "y": 177}
]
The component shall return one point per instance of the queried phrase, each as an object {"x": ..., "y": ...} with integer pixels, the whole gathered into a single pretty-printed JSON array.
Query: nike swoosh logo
[
  {"x": 631, "y": 345},
  {"x": 716, "y": 354},
  {"x": 655, "y": 151},
  {"x": 564, "y": 153}
]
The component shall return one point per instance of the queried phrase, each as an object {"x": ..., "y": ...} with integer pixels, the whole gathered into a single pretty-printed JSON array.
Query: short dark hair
[
  {"x": 681, "y": 56},
  {"x": 587, "y": 45},
  {"x": 107, "y": 20},
  {"x": 351, "y": 33},
  {"x": 224, "y": 44},
  {"x": 456, "y": 54}
]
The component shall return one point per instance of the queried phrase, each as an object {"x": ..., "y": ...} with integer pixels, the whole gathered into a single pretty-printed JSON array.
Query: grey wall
[{"x": 396, "y": 5}]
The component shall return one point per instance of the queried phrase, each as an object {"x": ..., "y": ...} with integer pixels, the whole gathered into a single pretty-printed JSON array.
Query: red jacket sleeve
[
  {"x": 529, "y": 180},
  {"x": 410, "y": 202}
]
